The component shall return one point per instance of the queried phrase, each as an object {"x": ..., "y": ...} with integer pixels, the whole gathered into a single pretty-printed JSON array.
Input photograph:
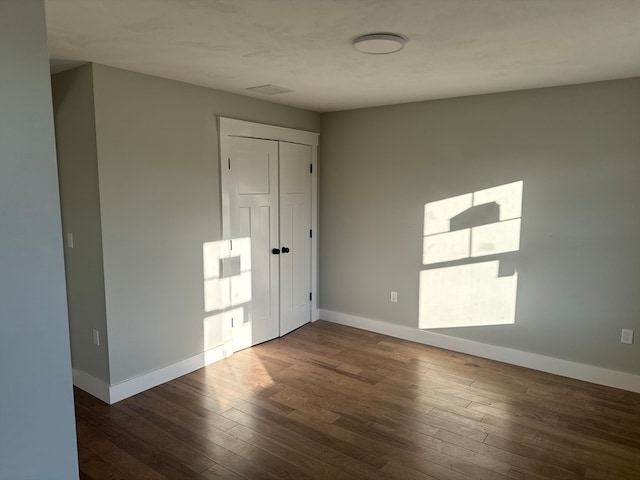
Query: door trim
[{"x": 231, "y": 127}]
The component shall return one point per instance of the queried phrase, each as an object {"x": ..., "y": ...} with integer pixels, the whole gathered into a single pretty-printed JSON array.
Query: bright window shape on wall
[{"x": 457, "y": 289}]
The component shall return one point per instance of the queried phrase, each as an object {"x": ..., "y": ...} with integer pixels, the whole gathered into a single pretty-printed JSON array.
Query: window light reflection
[{"x": 461, "y": 294}]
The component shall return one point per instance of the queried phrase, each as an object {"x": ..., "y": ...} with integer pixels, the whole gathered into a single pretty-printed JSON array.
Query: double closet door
[{"x": 268, "y": 189}]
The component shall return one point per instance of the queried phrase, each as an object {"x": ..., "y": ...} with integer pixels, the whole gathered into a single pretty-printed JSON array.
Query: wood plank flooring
[{"x": 332, "y": 402}]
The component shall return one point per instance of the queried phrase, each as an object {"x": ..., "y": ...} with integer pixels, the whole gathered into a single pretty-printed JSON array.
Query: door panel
[
  {"x": 295, "y": 225},
  {"x": 254, "y": 171},
  {"x": 253, "y": 203},
  {"x": 264, "y": 286}
]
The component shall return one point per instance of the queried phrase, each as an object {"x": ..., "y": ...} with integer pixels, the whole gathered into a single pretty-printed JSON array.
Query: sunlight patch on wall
[
  {"x": 227, "y": 285},
  {"x": 472, "y": 293}
]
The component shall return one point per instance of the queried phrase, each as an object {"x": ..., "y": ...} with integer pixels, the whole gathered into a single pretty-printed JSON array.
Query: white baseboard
[
  {"x": 114, "y": 393},
  {"x": 90, "y": 384},
  {"x": 566, "y": 368},
  {"x": 315, "y": 314}
]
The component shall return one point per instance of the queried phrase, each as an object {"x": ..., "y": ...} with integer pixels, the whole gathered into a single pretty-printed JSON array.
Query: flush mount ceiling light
[{"x": 379, "y": 43}]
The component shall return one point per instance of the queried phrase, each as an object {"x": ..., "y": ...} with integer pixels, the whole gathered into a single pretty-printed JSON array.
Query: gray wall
[
  {"x": 80, "y": 203},
  {"x": 158, "y": 167},
  {"x": 37, "y": 430},
  {"x": 576, "y": 148}
]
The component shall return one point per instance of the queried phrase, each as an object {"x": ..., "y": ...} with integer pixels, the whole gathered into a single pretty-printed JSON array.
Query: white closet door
[
  {"x": 295, "y": 241},
  {"x": 252, "y": 176}
]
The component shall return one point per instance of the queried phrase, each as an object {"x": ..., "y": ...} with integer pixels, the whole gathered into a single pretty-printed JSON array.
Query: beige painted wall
[
  {"x": 158, "y": 167},
  {"x": 576, "y": 148},
  {"x": 80, "y": 204}
]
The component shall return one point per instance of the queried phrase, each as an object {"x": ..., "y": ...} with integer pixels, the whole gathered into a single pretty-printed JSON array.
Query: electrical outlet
[
  {"x": 96, "y": 337},
  {"x": 627, "y": 336},
  {"x": 69, "y": 240},
  {"x": 394, "y": 297}
]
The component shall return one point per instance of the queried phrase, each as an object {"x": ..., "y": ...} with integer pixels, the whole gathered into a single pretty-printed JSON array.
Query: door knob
[
  {"x": 275, "y": 251},
  {"x": 285, "y": 249}
]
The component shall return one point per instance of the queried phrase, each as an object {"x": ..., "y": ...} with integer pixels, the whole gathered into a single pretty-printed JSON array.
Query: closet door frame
[{"x": 230, "y": 127}]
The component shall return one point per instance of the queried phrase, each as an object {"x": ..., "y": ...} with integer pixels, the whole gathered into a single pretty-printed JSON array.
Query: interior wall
[
  {"x": 37, "y": 427},
  {"x": 80, "y": 204},
  {"x": 576, "y": 149},
  {"x": 158, "y": 164}
]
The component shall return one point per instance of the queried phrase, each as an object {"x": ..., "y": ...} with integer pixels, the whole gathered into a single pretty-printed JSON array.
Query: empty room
[{"x": 319, "y": 239}]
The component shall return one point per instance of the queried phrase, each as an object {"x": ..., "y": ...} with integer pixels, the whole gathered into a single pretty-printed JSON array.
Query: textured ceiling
[{"x": 455, "y": 48}]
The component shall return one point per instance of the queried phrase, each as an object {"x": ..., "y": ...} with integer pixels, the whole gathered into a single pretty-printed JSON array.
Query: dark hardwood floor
[{"x": 332, "y": 402}]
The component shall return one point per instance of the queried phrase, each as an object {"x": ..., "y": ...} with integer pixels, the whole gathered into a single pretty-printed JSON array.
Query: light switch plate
[{"x": 627, "y": 336}]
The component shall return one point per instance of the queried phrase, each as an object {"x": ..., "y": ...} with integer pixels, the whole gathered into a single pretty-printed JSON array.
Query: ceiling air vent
[{"x": 269, "y": 89}]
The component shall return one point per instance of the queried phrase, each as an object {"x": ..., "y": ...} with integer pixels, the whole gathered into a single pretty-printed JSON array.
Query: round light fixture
[{"x": 379, "y": 43}]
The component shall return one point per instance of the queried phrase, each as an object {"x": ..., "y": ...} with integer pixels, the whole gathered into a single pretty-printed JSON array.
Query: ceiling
[{"x": 455, "y": 47}]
